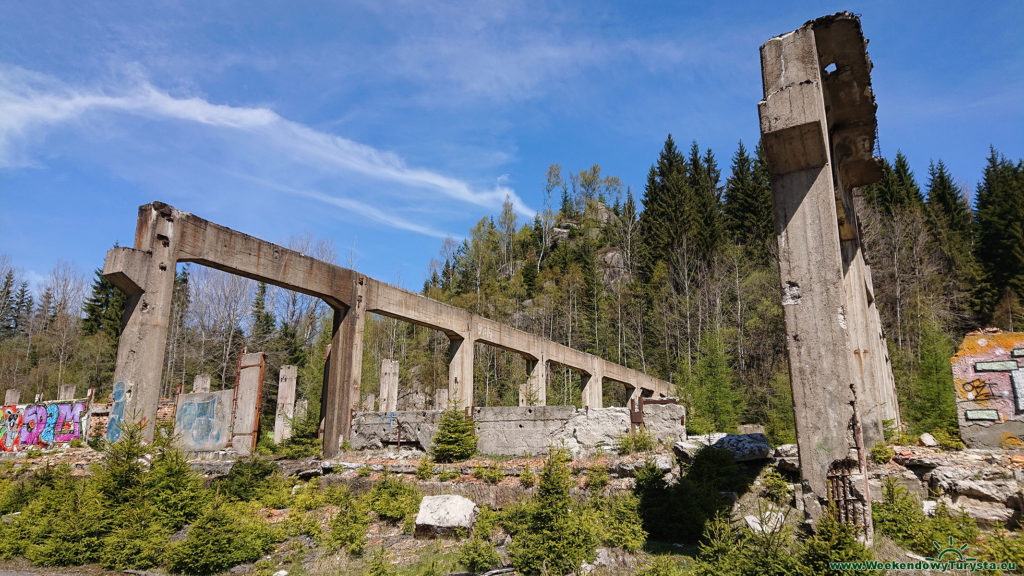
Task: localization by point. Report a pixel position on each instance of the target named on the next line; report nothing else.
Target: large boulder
(446, 515)
(746, 447)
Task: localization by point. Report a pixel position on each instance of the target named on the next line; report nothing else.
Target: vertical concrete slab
(201, 383)
(593, 396)
(301, 409)
(369, 403)
(285, 413)
(12, 396)
(441, 399)
(66, 392)
(248, 390)
(202, 420)
(534, 392)
(388, 385)
(341, 397)
(146, 274)
(460, 372)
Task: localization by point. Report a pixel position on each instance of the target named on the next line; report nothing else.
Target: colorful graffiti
(41, 425)
(119, 399)
(203, 420)
(989, 384)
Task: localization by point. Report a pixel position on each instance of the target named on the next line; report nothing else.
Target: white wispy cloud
(32, 103)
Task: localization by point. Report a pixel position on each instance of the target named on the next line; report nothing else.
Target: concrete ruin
(165, 236)
(818, 131)
(988, 377)
(285, 414)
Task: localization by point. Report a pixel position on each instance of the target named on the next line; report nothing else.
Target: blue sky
(386, 126)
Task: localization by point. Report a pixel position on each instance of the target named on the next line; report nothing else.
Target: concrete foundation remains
(818, 131)
(521, 430)
(285, 403)
(988, 376)
(165, 236)
(201, 383)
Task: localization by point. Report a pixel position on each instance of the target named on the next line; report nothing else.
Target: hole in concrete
(530, 411)
(520, 425)
(830, 68)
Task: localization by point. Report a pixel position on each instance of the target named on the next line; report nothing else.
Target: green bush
(663, 566)
(833, 541)
(527, 477)
(775, 487)
(394, 500)
(364, 471)
(447, 474)
(557, 535)
(1002, 546)
(454, 440)
(175, 490)
(639, 441)
(380, 564)
(620, 523)
(75, 536)
(348, 528)
(881, 454)
(478, 555)
(948, 441)
(226, 535)
(138, 541)
(248, 480)
(490, 473)
(900, 517)
(597, 478)
(425, 471)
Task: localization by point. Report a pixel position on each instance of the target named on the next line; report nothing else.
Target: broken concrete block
(445, 515)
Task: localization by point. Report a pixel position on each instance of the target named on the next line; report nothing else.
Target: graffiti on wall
(988, 376)
(42, 425)
(119, 398)
(203, 420)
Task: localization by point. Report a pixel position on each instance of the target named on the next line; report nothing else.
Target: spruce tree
(715, 403)
(748, 203)
(454, 440)
(1000, 236)
(103, 309)
(931, 404)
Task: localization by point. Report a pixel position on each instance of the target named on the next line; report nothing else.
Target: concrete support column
(534, 392)
(460, 372)
(593, 396)
(388, 385)
(201, 383)
(346, 367)
(248, 392)
(12, 396)
(146, 274)
(440, 399)
(285, 403)
(883, 365)
(864, 358)
(66, 392)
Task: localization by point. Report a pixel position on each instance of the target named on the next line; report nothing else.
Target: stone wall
(989, 383)
(521, 430)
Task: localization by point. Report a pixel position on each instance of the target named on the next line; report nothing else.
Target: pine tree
(669, 215)
(715, 403)
(1000, 237)
(8, 305)
(931, 404)
(263, 321)
(748, 202)
(704, 176)
(950, 222)
(104, 308)
(454, 440)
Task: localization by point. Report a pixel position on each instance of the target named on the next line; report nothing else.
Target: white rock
(927, 439)
(771, 522)
(445, 515)
(929, 507)
(281, 573)
(745, 447)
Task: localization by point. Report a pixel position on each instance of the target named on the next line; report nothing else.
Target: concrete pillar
(285, 403)
(201, 383)
(369, 403)
(146, 274)
(341, 396)
(593, 396)
(534, 392)
(301, 408)
(460, 372)
(388, 385)
(66, 392)
(441, 399)
(12, 396)
(880, 351)
(248, 391)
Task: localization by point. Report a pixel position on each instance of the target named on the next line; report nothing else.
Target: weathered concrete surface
(165, 236)
(202, 420)
(388, 385)
(248, 390)
(66, 392)
(12, 396)
(285, 414)
(445, 515)
(521, 430)
(988, 377)
(818, 125)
